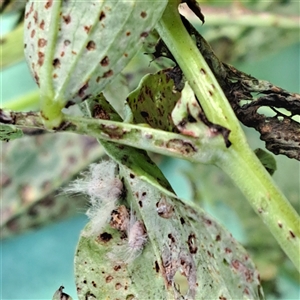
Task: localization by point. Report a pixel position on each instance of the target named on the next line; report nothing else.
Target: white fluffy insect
(104, 189)
(136, 239)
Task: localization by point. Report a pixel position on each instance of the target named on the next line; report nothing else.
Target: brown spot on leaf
(67, 42)
(171, 237)
(144, 114)
(41, 56)
(118, 286)
(156, 266)
(280, 224)
(192, 243)
(144, 34)
(91, 45)
(42, 24)
(117, 268)
(108, 74)
(35, 17)
(69, 103)
(29, 12)
(98, 79)
(104, 62)
(87, 28)
(32, 33)
(207, 221)
(48, 4)
(143, 14)
(29, 25)
(292, 234)
(102, 16)
(128, 33)
(82, 89)
(227, 250)
(202, 72)
(184, 147)
(37, 78)
(105, 237)
(56, 63)
(67, 19)
(109, 278)
(42, 42)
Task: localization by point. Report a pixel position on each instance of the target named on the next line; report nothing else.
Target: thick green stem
(238, 161)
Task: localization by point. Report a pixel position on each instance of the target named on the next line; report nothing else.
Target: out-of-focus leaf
(267, 159)
(75, 48)
(248, 30)
(32, 171)
(181, 240)
(12, 47)
(9, 132)
(8, 6)
(117, 100)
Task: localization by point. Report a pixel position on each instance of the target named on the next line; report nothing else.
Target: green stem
(204, 149)
(238, 161)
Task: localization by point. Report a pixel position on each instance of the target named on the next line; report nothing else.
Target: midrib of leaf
(50, 106)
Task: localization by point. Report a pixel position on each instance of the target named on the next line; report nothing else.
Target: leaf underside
(181, 240)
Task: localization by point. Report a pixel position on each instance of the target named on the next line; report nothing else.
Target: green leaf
(74, 49)
(186, 114)
(12, 6)
(267, 159)
(9, 132)
(154, 99)
(181, 240)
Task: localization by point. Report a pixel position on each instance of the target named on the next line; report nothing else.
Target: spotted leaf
(9, 132)
(187, 255)
(75, 48)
